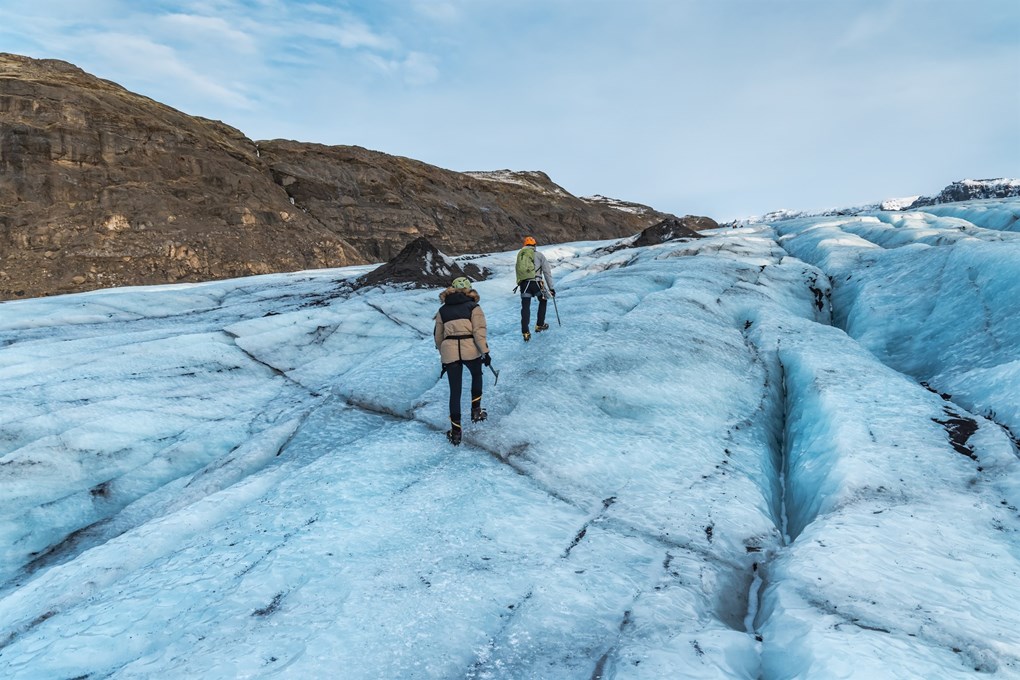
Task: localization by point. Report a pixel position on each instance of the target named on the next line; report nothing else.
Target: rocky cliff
(381, 202)
(103, 187)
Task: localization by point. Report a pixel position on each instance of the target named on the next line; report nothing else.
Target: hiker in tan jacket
(460, 339)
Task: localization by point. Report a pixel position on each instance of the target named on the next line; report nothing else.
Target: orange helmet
(529, 241)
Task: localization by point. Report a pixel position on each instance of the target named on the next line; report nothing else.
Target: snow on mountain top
(963, 191)
(625, 206)
(533, 180)
(898, 203)
(992, 183)
(777, 451)
(968, 189)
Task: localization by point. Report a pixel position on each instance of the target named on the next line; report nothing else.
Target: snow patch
(537, 181)
(616, 204)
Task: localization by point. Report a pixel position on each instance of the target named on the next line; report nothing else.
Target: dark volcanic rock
(102, 187)
(669, 229)
(379, 202)
(421, 265)
(969, 190)
(672, 228)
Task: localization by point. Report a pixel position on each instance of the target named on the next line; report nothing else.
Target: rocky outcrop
(380, 202)
(421, 265)
(672, 229)
(102, 187)
(970, 190)
(669, 229)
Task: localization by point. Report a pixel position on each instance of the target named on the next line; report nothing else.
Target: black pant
(455, 373)
(530, 289)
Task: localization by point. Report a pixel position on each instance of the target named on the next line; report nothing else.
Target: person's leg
(542, 302)
(475, 366)
(525, 311)
(455, 374)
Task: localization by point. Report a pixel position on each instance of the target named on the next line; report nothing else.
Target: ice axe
(495, 373)
(541, 285)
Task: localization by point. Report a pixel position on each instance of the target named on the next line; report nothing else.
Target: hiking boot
(454, 433)
(477, 412)
(541, 327)
(527, 336)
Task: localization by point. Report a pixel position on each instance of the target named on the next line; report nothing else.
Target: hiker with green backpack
(532, 267)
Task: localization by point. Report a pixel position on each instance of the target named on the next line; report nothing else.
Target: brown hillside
(381, 202)
(102, 187)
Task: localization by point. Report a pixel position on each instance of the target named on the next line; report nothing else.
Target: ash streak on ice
(192, 487)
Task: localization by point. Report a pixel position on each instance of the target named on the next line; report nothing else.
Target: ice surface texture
(724, 464)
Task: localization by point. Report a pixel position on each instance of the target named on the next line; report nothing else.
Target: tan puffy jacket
(460, 326)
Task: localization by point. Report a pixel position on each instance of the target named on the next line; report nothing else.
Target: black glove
(552, 292)
(486, 359)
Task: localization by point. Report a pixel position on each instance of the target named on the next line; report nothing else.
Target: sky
(724, 108)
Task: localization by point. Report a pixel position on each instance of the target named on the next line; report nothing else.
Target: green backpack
(525, 264)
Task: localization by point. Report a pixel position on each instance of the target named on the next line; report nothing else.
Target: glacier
(786, 450)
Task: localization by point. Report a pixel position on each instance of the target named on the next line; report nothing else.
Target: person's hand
(486, 359)
(552, 292)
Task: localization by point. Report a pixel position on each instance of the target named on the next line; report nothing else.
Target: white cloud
(141, 59)
(327, 24)
(438, 10)
(349, 33)
(420, 69)
(414, 69)
(209, 30)
(869, 26)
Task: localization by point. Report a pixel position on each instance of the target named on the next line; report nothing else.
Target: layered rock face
(381, 202)
(102, 187)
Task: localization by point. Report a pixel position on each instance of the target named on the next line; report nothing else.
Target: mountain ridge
(956, 192)
(103, 187)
